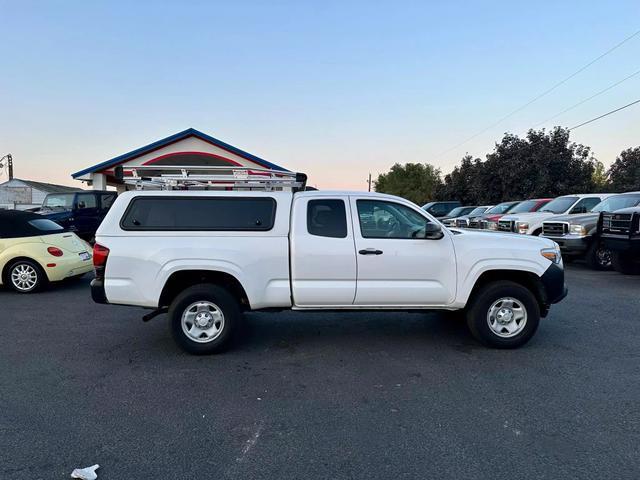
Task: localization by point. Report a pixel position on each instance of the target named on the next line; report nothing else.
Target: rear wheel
(503, 314)
(25, 276)
(599, 257)
(625, 263)
(204, 318)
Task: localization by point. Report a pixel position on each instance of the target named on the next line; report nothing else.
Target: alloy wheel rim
(603, 255)
(24, 277)
(202, 321)
(507, 317)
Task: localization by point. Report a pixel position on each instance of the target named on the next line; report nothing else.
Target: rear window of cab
(22, 228)
(199, 214)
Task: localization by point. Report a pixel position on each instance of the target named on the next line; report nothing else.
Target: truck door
(397, 266)
(86, 214)
(323, 259)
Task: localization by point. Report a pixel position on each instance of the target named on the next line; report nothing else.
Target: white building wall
(15, 194)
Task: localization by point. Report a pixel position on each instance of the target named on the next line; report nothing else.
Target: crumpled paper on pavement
(88, 473)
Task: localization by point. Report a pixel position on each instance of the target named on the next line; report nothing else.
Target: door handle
(370, 251)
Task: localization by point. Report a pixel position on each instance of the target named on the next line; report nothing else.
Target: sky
(335, 89)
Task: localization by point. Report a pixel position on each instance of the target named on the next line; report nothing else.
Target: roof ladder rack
(171, 177)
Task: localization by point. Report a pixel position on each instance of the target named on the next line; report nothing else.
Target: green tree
(460, 183)
(543, 164)
(600, 177)
(417, 182)
(624, 173)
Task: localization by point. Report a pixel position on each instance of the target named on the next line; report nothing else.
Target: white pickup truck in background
(207, 256)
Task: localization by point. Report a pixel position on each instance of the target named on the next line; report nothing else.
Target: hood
(481, 235)
(629, 210)
(529, 216)
(54, 215)
(494, 217)
(579, 218)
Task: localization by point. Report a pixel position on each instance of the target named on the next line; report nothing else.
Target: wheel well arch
(5, 269)
(528, 280)
(182, 279)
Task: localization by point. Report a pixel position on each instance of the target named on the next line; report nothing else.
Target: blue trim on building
(174, 138)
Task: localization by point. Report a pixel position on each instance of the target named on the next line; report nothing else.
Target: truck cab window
(585, 205)
(106, 201)
(86, 200)
(327, 218)
(379, 219)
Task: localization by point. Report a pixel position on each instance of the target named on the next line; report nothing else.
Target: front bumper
(554, 285)
(572, 245)
(622, 244)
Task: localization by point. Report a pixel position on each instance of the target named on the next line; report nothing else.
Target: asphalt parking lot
(321, 395)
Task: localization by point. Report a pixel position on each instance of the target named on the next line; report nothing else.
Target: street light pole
(9, 164)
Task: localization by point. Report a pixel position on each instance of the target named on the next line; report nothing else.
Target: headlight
(522, 227)
(492, 225)
(578, 230)
(552, 253)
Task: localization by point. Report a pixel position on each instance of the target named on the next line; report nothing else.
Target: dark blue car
(80, 212)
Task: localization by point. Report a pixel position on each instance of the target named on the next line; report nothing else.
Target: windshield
(559, 205)
(477, 211)
(617, 202)
(61, 200)
(46, 225)
(456, 212)
(524, 207)
(501, 208)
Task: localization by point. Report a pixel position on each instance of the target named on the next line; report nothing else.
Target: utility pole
(9, 164)
(369, 181)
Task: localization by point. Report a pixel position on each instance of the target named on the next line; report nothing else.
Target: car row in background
(49, 244)
(35, 251)
(601, 228)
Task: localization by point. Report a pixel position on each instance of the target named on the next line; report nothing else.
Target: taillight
(100, 255)
(55, 251)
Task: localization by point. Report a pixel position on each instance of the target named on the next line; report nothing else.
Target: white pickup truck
(530, 223)
(206, 256)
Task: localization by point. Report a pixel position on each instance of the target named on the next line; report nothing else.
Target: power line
(539, 96)
(605, 114)
(588, 98)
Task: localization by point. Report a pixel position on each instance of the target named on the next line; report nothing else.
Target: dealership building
(189, 148)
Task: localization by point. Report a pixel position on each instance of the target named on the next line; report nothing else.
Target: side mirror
(579, 210)
(433, 231)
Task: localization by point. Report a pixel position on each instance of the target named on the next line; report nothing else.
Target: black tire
(598, 257)
(224, 303)
(31, 266)
(481, 303)
(625, 263)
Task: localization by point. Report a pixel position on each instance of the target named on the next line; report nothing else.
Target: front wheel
(599, 257)
(503, 314)
(203, 319)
